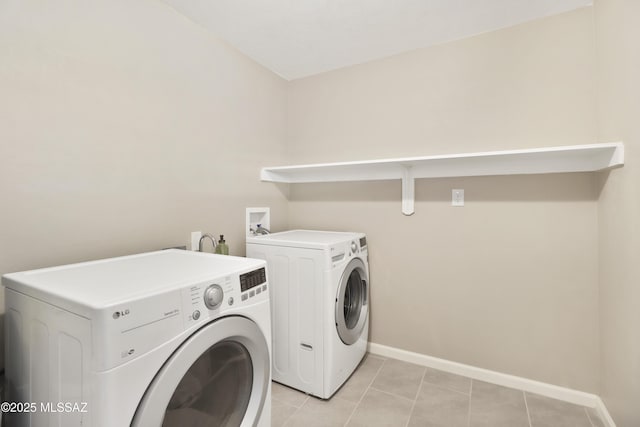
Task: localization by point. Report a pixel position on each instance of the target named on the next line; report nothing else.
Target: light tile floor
(389, 393)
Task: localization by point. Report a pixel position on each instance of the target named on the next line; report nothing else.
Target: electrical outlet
(457, 197)
(195, 240)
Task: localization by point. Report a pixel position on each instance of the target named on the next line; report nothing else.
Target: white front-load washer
(168, 338)
(320, 306)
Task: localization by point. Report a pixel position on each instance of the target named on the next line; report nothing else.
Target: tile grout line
(469, 409)
(365, 392)
(526, 405)
(392, 394)
(589, 417)
(413, 406)
(290, 404)
(284, 424)
(420, 386)
(441, 387)
(291, 389)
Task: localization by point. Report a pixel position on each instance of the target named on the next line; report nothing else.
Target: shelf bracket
(408, 191)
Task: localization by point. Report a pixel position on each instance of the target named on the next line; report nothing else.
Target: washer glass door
(352, 302)
(217, 377)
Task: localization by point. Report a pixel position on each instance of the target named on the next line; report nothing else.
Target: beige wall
(617, 36)
(124, 127)
(508, 282)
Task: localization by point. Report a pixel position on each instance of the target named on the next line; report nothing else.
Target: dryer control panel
(253, 283)
(207, 299)
(212, 298)
(139, 326)
(252, 279)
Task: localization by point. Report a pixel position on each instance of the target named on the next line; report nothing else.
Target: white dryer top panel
(109, 281)
(305, 238)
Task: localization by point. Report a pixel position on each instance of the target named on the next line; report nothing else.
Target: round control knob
(213, 297)
(354, 247)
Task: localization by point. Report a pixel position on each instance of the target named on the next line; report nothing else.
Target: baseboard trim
(506, 380)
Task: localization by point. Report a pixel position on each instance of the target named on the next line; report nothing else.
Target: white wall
(510, 281)
(124, 127)
(618, 33)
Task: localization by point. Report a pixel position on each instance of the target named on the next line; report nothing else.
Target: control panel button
(252, 294)
(230, 301)
(244, 297)
(264, 287)
(354, 247)
(196, 315)
(258, 290)
(213, 296)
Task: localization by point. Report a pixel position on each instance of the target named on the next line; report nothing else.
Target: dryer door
(352, 302)
(217, 377)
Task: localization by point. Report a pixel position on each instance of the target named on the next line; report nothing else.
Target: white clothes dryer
(168, 338)
(320, 306)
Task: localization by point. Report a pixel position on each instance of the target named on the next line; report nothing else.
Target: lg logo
(118, 314)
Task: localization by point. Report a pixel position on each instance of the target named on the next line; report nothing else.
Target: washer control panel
(363, 242)
(343, 252)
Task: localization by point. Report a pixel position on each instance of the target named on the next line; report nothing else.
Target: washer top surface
(305, 238)
(109, 281)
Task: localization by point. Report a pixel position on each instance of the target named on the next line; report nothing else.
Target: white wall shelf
(573, 158)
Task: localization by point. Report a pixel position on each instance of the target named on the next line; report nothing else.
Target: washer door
(217, 377)
(352, 302)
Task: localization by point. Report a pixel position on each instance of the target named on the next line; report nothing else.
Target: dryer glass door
(221, 375)
(352, 302)
(218, 377)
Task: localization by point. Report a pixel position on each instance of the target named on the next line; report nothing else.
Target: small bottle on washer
(222, 248)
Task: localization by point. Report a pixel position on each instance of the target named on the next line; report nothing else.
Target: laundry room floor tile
(387, 392)
(594, 417)
(399, 378)
(447, 380)
(280, 412)
(322, 413)
(440, 407)
(496, 406)
(546, 412)
(361, 379)
(378, 408)
(287, 395)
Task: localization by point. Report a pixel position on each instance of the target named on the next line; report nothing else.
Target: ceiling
(298, 38)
